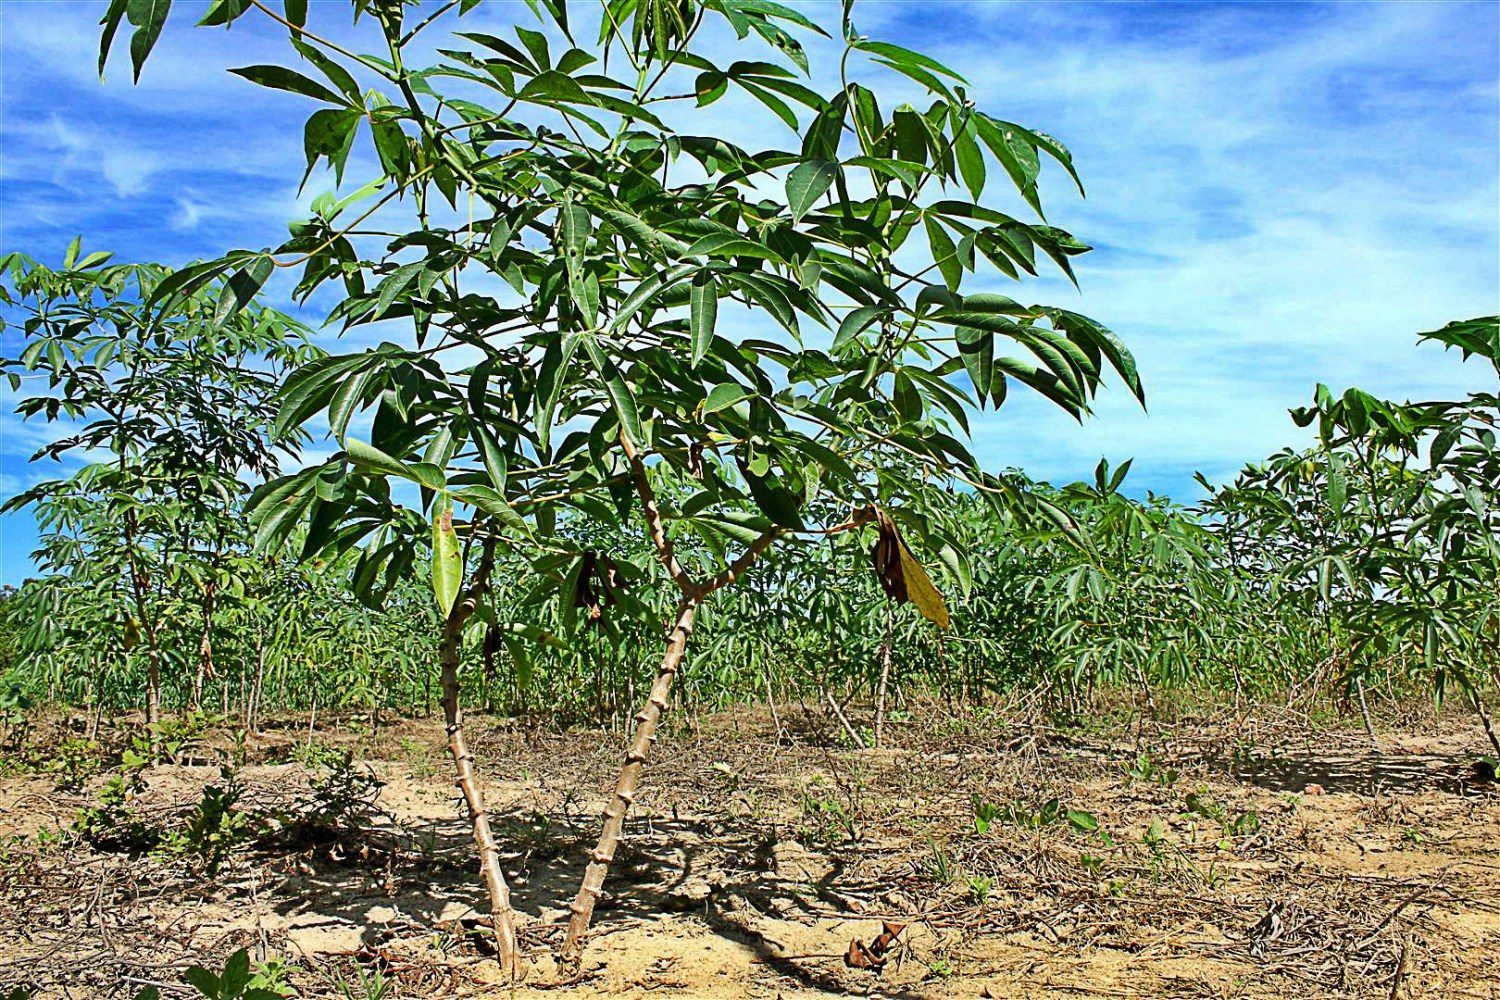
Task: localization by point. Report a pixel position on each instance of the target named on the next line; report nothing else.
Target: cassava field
(619, 609)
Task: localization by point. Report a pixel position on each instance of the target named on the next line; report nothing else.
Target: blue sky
(1280, 193)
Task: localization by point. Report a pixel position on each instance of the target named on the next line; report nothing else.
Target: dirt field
(1217, 858)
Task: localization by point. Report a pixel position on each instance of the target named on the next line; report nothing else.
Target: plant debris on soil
(973, 856)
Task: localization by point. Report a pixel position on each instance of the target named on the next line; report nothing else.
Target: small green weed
(1145, 771)
(418, 758)
(215, 827)
(73, 762)
(985, 813)
(236, 982)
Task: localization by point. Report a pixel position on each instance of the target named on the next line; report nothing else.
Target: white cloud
(123, 166)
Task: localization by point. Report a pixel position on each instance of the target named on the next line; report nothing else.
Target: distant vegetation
(1365, 566)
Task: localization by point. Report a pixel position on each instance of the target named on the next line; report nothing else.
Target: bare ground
(1250, 857)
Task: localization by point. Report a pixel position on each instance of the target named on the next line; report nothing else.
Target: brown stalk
(502, 916)
(627, 786)
(649, 717)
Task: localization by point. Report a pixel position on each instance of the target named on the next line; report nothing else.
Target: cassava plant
(169, 407)
(599, 293)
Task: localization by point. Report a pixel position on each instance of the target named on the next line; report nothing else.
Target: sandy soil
(1237, 858)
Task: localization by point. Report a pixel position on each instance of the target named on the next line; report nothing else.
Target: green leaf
(281, 78)
(619, 393)
(223, 12)
(656, 242)
(110, 22)
(447, 560)
(723, 396)
(944, 253)
(710, 86)
(856, 323)
(393, 285)
(554, 86)
(907, 58)
(1338, 482)
(977, 349)
(329, 134)
(371, 459)
(490, 502)
(242, 286)
(731, 245)
(148, 16)
(491, 455)
(970, 160)
(807, 183)
(772, 497)
(704, 312)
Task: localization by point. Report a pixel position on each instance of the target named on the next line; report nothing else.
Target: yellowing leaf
(447, 561)
(920, 590)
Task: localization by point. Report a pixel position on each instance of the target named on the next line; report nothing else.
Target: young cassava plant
(598, 288)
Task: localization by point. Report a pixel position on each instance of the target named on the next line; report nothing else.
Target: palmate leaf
(622, 399)
(690, 269)
(1479, 336)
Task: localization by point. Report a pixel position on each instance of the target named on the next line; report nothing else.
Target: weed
(239, 754)
(112, 823)
(1200, 803)
(14, 704)
(418, 758)
(271, 975)
(73, 762)
(215, 827)
(985, 813)
(1145, 771)
(236, 982)
(341, 797)
(828, 819)
(731, 777)
(176, 741)
(314, 754)
(1246, 824)
(1155, 835)
(365, 986)
(979, 887)
(1028, 817)
(939, 864)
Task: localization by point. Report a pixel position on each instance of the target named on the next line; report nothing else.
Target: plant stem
(502, 916)
(885, 672)
(629, 782)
